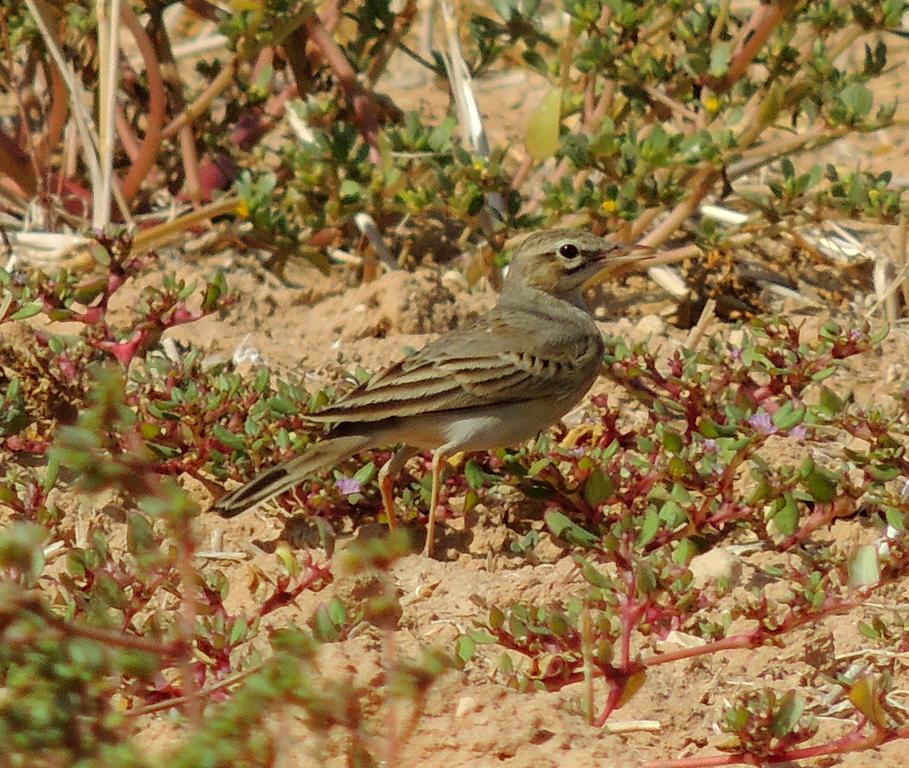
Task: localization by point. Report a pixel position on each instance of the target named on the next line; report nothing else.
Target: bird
(496, 382)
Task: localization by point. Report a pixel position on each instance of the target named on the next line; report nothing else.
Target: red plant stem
(204, 9)
(148, 152)
(186, 139)
(402, 23)
(59, 111)
(182, 531)
(364, 107)
(281, 598)
(725, 482)
(757, 636)
(275, 105)
(191, 165)
(264, 59)
(594, 110)
(177, 701)
(700, 186)
(128, 139)
(853, 742)
(15, 164)
(331, 15)
(523, 171)
(115, 639)
(197, 107)
(753, 35)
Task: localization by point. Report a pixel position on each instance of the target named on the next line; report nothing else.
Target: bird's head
(559, 261)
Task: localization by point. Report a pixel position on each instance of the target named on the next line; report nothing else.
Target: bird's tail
(275, 480)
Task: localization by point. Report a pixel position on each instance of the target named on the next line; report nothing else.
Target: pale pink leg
(438, 459)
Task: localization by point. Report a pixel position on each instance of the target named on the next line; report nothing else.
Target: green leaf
(220, 433)
(27, 311)
(786, 718)
(672, 441)
(821, 485)
(650, 527)
(440, 138)
(591, 574)
(825, 373)
(542, 137)
(350, 191)
(481, 636)
(868, 631)
(672, 513)
(599, 488)
(864, 569)
(719, 59)
(139, 534)
(786, 518)
(563, 528)
(788, 416)
(281, 404)
(858, 99)
(830, 402)
(323, 627)
(684, 551)
(895, 518)
(337, 611)
(366, 473)
(473, 472)
(880, 334)
(864, 697)
(238, 631)
(465, 648)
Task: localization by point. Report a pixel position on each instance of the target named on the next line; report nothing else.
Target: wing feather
(503, 356)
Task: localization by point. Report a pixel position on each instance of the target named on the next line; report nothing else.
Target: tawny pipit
(496, 382)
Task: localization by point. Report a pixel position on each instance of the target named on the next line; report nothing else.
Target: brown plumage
(497, 381)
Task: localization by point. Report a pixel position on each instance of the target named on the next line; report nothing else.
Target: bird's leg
(438, 460)
(390, 470)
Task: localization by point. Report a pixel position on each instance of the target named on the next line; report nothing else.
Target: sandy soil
(470, 718)
(320, 329)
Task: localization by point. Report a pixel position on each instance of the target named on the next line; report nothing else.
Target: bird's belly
(479, 429)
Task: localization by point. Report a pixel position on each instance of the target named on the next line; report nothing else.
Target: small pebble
(652, 325)
(455, 282)
(716, 565)
(466, 705)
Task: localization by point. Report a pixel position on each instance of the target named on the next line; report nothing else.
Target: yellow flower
(609, 206)
(242, 209)
(712, 103)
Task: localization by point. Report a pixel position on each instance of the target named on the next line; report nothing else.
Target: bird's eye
(568, 251)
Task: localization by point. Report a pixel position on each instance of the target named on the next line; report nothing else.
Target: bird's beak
(628, 253)
(620, 255)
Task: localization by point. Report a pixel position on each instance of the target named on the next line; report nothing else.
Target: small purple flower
(735, 353)
(349, 485)
(799, 432)
(856, 335)
(762, 422)
(710, 444)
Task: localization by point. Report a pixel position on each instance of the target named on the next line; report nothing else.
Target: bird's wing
(504, 356)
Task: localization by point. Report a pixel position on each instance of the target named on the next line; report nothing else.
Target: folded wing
(502, 357)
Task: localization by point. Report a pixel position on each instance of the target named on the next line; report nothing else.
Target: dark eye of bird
(568, 251)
